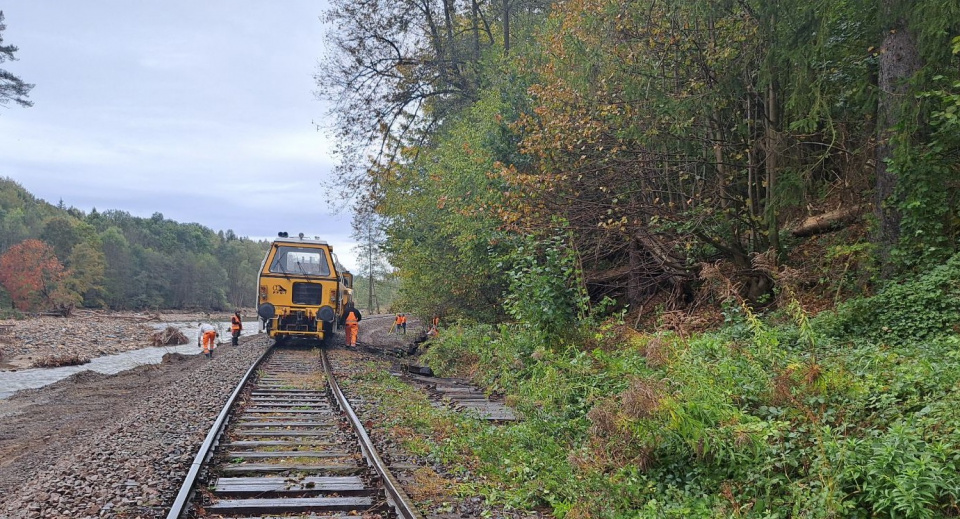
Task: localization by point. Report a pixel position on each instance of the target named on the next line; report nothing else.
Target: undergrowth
(928, 306)
(855, 413)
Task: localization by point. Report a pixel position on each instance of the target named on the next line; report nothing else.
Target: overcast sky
(201, 111)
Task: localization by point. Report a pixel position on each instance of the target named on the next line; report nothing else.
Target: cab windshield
(298, 261)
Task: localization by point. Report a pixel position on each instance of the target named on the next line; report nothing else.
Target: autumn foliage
(33, 276)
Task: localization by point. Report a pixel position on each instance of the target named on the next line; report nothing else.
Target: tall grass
(753, 420)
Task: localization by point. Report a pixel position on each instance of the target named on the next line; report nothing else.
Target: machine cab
(298, 292)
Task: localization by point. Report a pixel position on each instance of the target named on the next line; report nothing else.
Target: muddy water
(13, 381)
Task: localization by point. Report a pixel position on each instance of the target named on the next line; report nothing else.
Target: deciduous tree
(34, 277)
(87, 268)
(61, 233)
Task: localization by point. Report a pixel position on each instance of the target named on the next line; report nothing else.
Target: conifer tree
(12, 88)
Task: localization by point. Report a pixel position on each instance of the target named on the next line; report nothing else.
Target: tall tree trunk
(634, 291)
(506, 27)
(475, 21)
(448, 15)
(453, 60)
(899, 61)
(437, 42)
(370, 246)
(754, 185)
(772, 147)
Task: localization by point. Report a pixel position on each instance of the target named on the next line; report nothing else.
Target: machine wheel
(327, 333)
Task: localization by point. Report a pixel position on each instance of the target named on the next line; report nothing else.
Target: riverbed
(13, 380)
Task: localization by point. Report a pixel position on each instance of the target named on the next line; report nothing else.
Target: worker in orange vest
(434, 327)
(396, 324)
(403, 323)
(351, 326)
(236, 326)
(208, 337)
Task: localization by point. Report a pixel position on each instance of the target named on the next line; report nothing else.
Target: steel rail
(396, 497)
(206, 449)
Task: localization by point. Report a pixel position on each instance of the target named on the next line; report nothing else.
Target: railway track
(288, 443)
(457, 394)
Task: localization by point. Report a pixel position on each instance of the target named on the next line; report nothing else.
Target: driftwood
(56, 361)
(169, 337)
(58, 311)
(137, 317)
(829, 221)
(100, 315)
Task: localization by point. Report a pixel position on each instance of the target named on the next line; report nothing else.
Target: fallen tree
(829, 221)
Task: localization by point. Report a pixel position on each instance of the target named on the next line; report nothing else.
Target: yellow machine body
(299, 295)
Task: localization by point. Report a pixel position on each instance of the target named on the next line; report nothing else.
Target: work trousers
(209, 340)
(350, 330)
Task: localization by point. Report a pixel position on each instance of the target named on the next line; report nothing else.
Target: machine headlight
(266, 311)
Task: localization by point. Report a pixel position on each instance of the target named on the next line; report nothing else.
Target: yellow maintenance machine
(300, 294)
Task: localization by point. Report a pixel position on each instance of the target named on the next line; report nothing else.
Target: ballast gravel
(94, 445)
(119, 446)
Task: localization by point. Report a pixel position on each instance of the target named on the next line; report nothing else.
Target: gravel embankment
(130, 445)
(117, 446)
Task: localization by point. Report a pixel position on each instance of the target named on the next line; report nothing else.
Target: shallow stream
(13, 381)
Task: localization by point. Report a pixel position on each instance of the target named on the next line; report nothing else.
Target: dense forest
(630, 147)
(708, 249)
(56, 258)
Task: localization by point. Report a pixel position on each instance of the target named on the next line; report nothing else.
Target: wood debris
(170, 336)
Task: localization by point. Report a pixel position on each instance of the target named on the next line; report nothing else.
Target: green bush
(545, 292)
(909, 311)
(904, 475)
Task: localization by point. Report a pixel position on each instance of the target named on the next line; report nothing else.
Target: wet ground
(15, 375)
(14, 378)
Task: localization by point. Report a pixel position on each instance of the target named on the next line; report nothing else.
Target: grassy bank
(853, 414)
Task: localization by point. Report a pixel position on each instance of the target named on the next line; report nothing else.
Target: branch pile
(56, 361)
(168, 337)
